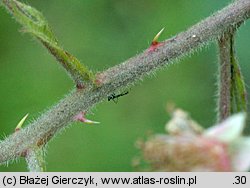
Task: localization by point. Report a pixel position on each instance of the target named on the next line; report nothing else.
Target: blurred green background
(103, 33)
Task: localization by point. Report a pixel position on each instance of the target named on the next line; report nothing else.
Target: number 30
(240, 180)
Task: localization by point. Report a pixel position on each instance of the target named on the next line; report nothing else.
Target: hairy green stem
(224, 102)
(120, 76)
(35, 159)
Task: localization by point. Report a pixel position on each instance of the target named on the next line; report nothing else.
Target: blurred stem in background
(232, 91)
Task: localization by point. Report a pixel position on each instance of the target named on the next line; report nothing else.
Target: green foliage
(34, 23)
(113, 31)
(238, 89)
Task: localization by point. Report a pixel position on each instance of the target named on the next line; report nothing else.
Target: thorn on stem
(155, 44)
(19, 125)
(81, 117)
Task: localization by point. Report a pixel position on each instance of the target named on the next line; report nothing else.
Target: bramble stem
(224, 103)
(35, 160)
(232, 91)
(120, 76)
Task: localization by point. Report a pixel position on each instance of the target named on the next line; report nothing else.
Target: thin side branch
(224, 100)
(120, 76)
(232, 90)
(35, 160)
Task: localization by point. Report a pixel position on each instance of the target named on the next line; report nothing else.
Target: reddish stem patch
(154, 46)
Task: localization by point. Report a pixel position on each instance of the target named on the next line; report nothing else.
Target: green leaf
(238, 89)
(33, 22)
